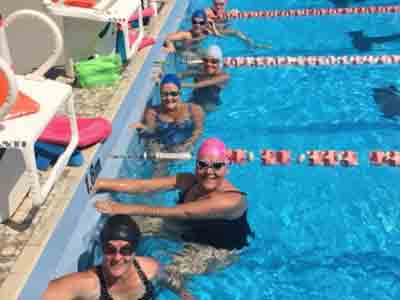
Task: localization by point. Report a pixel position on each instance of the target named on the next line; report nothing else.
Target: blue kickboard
(47, 154)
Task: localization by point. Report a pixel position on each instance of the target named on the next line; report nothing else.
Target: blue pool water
(321, 233)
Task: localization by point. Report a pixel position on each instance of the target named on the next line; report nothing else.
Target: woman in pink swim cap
(212, 210)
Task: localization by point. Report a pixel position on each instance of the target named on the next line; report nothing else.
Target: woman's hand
(169, 47)
(110, 207)
(137, 125)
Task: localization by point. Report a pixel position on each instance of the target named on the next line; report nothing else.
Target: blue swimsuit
(173, 133)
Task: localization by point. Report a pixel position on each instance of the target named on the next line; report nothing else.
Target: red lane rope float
(329, 158)
(239, 156)
(270, 157)
(379, 158)
(384, 9)
(273, 61)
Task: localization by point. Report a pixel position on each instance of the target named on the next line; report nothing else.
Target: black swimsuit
(104, 295)
(219, 233)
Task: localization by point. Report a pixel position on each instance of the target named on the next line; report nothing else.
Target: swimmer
(174, 125)
(219, 26)
(122, 274)
(211, 211)
(208, 83)
(188, 43)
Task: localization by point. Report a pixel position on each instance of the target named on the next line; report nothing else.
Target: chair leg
(62, 161)
(29, 157)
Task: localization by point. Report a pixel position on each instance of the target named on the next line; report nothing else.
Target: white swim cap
(215, 52)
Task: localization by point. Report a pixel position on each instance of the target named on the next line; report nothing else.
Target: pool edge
(18, 279)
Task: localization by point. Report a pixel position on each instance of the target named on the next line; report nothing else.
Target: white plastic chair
(116, 12)
(21, 133)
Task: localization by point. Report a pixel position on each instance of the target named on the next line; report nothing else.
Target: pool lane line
(364, 10)
(270, 157)
(323, 60)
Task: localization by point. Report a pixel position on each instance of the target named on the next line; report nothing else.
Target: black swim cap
(120, 227)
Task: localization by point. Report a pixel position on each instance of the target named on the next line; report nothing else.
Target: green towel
(100, 71)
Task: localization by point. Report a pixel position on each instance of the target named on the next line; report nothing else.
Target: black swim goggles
(126, 250)
(173, 94)
(216, 165)
(202, 22)
(210, 60)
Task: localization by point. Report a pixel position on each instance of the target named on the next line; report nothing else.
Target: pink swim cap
(213, 147)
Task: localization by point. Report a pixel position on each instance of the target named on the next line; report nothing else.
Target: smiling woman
(172, 126)
(211, 211)
(122, 274)
(209, 82)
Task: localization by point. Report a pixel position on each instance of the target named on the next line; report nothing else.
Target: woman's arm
(135, 185)
(180, 181)
(218, 79)
(71, 287)
(198, 119)
(187, 74)
(173, 37)
(149, 124)
(221, 205)
(149, 119)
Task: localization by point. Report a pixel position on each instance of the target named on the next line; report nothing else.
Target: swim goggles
(202, 22)
(124, 250)
(166, 94)
(216, 165)
(211, 60)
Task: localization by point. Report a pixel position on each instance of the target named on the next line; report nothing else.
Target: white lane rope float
(155, 156)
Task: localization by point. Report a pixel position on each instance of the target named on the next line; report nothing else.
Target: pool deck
(24, 236)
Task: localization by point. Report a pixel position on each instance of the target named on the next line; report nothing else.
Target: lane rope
(382, 9)
(273, 61)
(270, 157)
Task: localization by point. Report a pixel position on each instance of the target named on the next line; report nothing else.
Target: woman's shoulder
(195, 109)
(77, 284)
(189, 107)
(229, 189)
(210, 13)
(149, 266)
(153, 110)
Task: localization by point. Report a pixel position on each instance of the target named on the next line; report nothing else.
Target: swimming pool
(321, 232)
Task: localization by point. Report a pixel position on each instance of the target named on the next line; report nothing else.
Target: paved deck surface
(24, 236)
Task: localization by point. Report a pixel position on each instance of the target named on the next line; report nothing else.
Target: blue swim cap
(199, 14)
(171, 78)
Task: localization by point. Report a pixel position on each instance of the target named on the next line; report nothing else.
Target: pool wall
(68, 240)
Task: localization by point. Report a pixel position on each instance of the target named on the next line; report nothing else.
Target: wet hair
(171, 78)
(199, 13)
(214, 147)
(120, 228)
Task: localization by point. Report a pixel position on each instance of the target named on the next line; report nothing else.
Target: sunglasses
(124, 251)
(166, 94)
(213, 61)
(198, 22)
(216, 165)
(219, 4)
